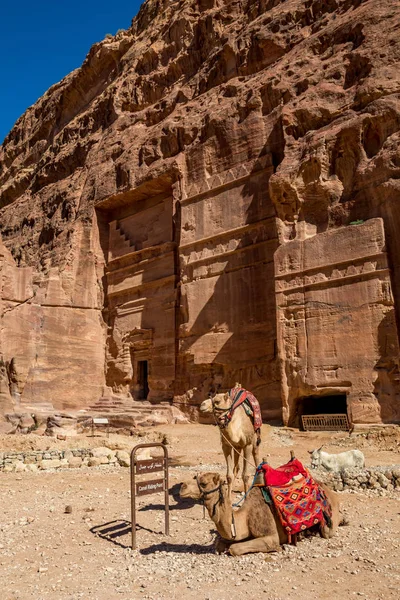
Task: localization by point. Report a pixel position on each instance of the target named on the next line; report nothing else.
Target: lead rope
(248, 492)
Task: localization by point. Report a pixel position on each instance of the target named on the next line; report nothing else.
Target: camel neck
(219, 508)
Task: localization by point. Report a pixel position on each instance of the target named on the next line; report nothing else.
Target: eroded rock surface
(150, 198)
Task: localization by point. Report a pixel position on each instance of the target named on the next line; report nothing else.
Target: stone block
(75, 462)
(50, 464)
(102, 451)
(19, 467)
(32, 468)
(382, 480)
(124, 458)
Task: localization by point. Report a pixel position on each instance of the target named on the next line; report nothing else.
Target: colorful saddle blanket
(239, 396)
(298, 499)
(283, 475)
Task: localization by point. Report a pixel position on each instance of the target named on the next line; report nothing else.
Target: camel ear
(319, 449)
(216, 478)
(310, 451)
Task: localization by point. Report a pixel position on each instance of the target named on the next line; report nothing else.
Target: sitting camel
(238, 435)
(252, 528)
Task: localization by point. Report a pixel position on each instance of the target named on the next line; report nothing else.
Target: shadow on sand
(181, 503)
(113, 530)
(179, 548)
(116, 529)
(119, 528)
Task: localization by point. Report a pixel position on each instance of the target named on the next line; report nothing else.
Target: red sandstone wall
(265, 121)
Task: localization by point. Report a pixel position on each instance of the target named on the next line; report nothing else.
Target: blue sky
(43, 40)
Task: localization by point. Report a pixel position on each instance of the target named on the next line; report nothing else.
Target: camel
(237, 437)
(252, 528)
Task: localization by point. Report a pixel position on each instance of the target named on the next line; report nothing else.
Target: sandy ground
(46, 553)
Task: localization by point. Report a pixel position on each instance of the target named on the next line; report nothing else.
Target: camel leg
(247, 460)
(256, 453)
(227, 450)
(236, 465)
(328, 532)
(268, 543)
(236, 458)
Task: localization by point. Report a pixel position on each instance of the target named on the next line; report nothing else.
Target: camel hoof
(232, 551)
(221, 546)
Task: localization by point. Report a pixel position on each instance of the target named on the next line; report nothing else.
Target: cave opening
(333, 404)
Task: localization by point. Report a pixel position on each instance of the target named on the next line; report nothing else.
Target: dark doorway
(142, 379)
(334, 404)
(330, 405)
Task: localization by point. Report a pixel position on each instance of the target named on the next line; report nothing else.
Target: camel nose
(206, 405)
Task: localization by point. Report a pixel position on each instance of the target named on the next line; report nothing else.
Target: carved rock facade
(177, 215)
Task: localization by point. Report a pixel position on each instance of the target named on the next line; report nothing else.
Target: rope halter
(221, 415)
(205, 493)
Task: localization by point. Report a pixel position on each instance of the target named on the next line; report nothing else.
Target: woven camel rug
(300, 504)
(241, 396)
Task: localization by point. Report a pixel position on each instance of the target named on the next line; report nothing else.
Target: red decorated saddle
(239, 396)
(298, 499)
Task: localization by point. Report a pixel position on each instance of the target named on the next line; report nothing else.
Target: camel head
(200, 484)
(206, 406)
(219, 402)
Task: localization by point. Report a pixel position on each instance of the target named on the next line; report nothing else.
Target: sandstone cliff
(159, 204)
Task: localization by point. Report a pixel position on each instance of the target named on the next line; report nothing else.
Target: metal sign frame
(99, 422)
(142, 467)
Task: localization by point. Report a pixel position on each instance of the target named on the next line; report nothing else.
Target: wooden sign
(149, 466)
(153, 486)
(144, 488)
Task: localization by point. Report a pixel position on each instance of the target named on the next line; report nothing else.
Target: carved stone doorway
(314, 405)
(142, 379)
(138, 346)
(141, 371)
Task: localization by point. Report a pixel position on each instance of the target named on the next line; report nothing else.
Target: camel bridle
(205, 493)
(221, 414)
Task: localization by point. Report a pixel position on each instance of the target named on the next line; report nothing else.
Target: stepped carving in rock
(211, 198)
